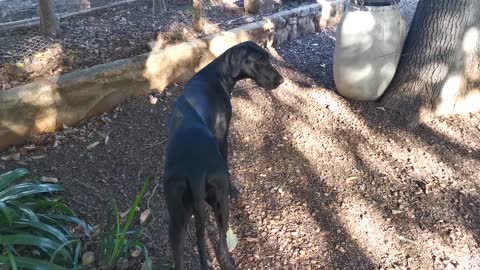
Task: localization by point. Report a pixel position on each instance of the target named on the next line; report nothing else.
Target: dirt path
(327, 183)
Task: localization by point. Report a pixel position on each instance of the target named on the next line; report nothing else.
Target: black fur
(196, 167)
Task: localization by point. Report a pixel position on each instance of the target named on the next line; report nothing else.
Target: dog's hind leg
(200, 223)
(233, 189)
(221, 211)
(180, 215)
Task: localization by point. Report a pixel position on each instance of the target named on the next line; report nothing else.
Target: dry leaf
(15, 156)
(351, 179)
(145, 216)
(135, 253)
(107, 138)
(153, 100)
(396, 212)
(30, 147)
(251, 240)
(88, 258)
(91, 146)
(39, 157)
(46, 179)
(232, 240)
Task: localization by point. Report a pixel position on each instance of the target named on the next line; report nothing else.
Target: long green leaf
(87, 229)
(6, 213)
(51, 230)
(77, 254)
(130, 215)
(13, 262)
(144, 250)
(42, 243)
(47, 204)
(9, 177)
(60, 248)
(28, 189)
(30, 263)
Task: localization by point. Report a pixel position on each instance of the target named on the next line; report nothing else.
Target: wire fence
(19, 10)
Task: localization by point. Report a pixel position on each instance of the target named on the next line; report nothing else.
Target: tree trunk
(48, 18)
(159, 6)
(197, 15)
(439, 70)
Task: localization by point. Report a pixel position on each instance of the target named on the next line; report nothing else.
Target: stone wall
(44, 106)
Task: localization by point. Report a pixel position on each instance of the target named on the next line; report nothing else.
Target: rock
(292, 32)
(306, 26)
(280, 37)
(258, 6)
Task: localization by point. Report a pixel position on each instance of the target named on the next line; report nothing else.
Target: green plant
(35, 226)
(119, 236)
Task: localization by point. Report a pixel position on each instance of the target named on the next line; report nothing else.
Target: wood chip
(46, 179)
(91, 146)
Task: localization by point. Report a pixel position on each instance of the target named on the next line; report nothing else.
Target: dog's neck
(223, 75)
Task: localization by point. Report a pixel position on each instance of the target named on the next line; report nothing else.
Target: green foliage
(35, 226)
(119, 237)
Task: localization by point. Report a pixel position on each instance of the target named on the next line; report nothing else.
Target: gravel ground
(326, 183)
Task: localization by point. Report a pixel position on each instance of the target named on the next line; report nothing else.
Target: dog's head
(248, 60)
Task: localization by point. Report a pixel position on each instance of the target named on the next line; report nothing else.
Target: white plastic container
(369, 41)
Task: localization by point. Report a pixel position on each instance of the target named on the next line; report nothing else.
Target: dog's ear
(236, 61)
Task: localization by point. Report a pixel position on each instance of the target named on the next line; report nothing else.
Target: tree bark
(438, 71)
(48, 17)
(197, 15)
(159, 6)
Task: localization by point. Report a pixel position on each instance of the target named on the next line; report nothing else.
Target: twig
(124, 124)
(153, 145)
(151, 196)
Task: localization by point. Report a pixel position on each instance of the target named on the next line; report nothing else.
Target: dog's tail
(197, 187)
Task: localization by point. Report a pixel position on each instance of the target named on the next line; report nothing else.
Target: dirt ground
(326, 183)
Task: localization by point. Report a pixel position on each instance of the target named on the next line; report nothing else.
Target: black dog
(196, 167)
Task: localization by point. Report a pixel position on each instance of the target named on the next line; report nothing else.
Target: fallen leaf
(401, 238)
(14, 156)
(153, 100)
(135, 253)
(251, 240)
(46, 179)
(88, 258)
(351, 179)
(38, 157)
(145, 215)
(106, 139)
(30, 147)
(91, 146)
(396, 212)
(232, 240)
